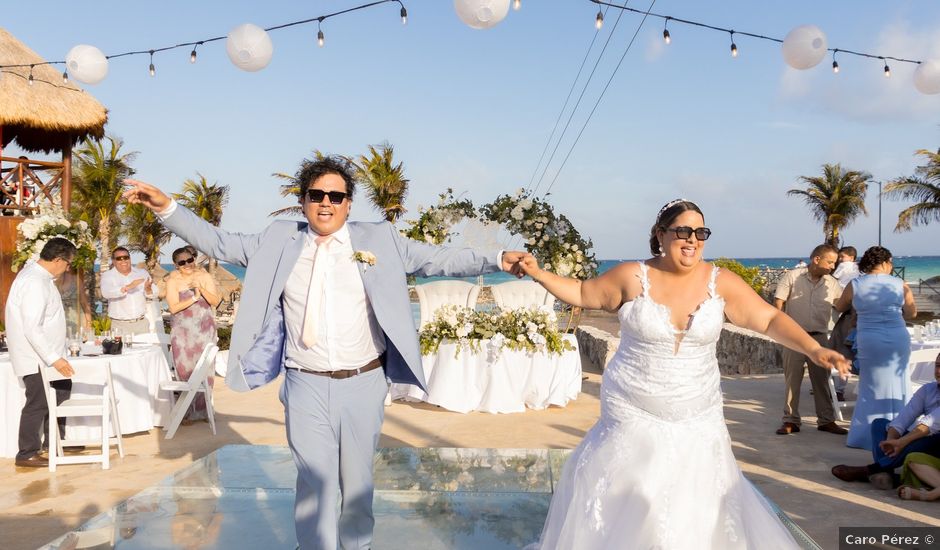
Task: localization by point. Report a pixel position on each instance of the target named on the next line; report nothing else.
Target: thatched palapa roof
(48, 114)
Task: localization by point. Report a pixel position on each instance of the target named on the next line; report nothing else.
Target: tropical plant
(751, 275)
(206, 200)
(291, 189)
(98, 177)
(384, 181)
(836, 198)
(145, 233)
(923, 188)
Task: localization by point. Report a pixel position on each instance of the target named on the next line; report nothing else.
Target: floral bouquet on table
(33, 234)
(527, 329)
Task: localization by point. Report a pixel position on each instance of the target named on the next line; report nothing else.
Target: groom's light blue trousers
(333, 428)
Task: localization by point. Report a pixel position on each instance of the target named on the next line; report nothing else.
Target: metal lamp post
(879, 212)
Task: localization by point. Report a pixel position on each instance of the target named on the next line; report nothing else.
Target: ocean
(915, 268)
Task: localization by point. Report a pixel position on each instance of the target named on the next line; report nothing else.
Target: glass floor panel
(242, 496)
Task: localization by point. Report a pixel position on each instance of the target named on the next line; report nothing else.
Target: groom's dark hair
(312, 170)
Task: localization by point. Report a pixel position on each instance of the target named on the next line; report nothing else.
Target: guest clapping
(192, 296)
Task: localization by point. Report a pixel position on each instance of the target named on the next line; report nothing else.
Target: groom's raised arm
(234, 248)
(427, 260)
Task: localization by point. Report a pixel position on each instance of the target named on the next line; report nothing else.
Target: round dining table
(137, 374)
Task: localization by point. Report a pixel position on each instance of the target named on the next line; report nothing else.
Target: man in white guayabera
(126, 288)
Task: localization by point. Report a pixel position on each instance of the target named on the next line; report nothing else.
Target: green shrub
(751, 275)
(225, 337)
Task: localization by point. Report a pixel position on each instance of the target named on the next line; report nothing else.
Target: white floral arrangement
(533, 329)
(434, 223)
(33, 234)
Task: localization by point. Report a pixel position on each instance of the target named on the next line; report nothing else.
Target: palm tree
(836, 198)
(924, 188)
(384, 181)
(292, 189)
(99, 173)
(206, 200)
(145, 233)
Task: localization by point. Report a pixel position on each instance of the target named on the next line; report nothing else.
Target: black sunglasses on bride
(316, 196)
(684, 232)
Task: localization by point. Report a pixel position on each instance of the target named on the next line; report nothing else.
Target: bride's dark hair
(667, 215)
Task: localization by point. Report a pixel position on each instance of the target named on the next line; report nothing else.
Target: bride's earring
(662, 251)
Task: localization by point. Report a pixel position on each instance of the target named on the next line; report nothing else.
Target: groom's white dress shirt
(35, 321)
(348, 335)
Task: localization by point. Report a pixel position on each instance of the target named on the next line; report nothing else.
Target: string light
(516, 5)
(599, 20)
(320, 38)
(666, 37)
(887, 68)
(193, 54)
(734, 47)
(30, 79)
(835, 64)
(65, 77)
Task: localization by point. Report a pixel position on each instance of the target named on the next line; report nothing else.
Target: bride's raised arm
(607, 291)
(746, 309)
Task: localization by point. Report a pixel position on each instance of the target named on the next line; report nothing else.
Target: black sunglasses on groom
(316, 196)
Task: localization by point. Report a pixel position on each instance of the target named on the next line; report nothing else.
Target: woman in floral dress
(192, 296)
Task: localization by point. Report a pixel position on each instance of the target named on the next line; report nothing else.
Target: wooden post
(66, 195)
(7, 250)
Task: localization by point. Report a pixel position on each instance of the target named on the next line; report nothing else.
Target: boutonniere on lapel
(364, 257)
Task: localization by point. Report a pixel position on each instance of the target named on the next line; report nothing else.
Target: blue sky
(472, 110)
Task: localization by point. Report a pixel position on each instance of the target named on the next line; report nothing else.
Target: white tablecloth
(923, 371)
(514, 380)
(137, 374)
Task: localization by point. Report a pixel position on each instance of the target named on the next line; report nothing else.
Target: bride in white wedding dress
(657, 471)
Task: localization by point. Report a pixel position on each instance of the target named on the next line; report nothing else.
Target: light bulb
(835, 67)
(30, 79)
(320, 38)
(666, 36)
(153, 70)
(192, 56)
(65, 77)
(517, 5)
(599, 20)
(404, 16)
(887, 71)
(734, 50)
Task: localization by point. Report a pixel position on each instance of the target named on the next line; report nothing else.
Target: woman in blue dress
(882, 302)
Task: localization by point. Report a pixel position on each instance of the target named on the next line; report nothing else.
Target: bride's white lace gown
(656, 471)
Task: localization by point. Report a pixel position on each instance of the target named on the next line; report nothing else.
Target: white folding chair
(432, 296)
(198, 383)
(837, 405)
(164, 340)
(922, 376)
(104, 406)
(521, 294)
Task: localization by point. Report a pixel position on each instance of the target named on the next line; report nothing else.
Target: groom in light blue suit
(326, 303)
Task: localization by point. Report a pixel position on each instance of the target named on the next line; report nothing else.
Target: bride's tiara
(669, 205)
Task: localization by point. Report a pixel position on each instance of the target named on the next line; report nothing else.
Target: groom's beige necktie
(315, 291)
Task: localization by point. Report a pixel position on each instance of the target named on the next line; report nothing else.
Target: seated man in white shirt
(35, 325)
(126, 288)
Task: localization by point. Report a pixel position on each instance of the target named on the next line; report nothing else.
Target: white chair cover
(521, 294)
(432, 296)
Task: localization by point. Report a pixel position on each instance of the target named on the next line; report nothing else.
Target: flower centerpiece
(33, 234)
(532, 330)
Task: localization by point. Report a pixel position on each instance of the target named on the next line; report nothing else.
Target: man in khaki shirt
(807, 295)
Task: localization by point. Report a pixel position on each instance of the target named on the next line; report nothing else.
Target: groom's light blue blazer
(256, 354)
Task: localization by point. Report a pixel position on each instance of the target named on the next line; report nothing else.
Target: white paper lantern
(481, 14)
(804, 47)
(86, 64)
(249, 47)
(927, 77)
